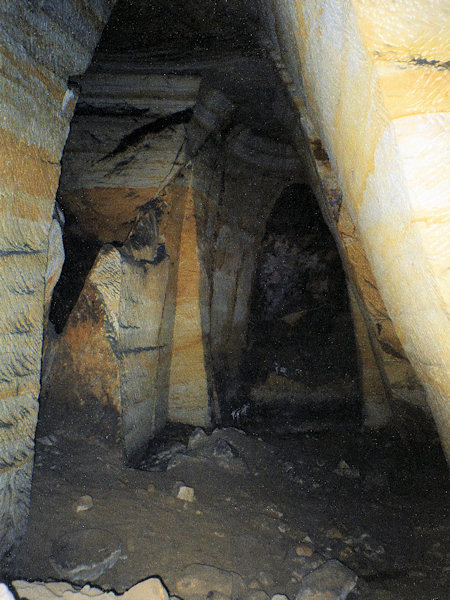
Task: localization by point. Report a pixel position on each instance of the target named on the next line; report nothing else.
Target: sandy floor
(269, 510)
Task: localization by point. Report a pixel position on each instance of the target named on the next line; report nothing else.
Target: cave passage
(201, 410)
(301, 364)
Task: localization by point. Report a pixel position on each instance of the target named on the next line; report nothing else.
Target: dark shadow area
(181, 27)
(295, 482)
(80, 255)
(301, 365)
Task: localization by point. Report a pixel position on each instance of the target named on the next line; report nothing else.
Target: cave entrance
(215, 514)
(301, 366)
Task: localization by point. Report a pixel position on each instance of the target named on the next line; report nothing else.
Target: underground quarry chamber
(226, 358)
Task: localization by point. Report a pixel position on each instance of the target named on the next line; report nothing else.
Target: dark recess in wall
(180, 27)
(80, 255)
(300, 328)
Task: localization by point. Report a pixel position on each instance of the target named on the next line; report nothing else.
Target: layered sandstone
(36, 107)
(369, 79)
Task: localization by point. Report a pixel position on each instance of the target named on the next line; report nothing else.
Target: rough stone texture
(188, 400)
(198, 581)
(331, 581)
(104, 364)
(126, 144)
(36, 106)
(77, 366)
(253, 169)
(386, 145)
(199, 298)
(132, 353)
(150, 589)
(377, 411)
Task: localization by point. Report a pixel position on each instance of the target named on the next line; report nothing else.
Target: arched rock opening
(168, 282)
(301, 362)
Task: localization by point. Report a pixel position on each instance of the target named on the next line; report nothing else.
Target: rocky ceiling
(187, 27)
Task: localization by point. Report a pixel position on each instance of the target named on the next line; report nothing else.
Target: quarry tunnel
(225, 262)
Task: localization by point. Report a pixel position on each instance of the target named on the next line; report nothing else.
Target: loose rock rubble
(151, 589)
(228, 516)
(201, 448)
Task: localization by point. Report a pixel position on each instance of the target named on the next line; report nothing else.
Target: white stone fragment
(184, 492)
(84, 503)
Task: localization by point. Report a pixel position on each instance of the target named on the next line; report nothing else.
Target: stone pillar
(374, 390)
(370, 86)
(188, 400)
(36, 109)
(237, 179)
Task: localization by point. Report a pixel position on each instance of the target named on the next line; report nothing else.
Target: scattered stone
(288, 467)
(5, 594)
(161, 460)
(345, 554)
(203, 581)
(84, 503)
(334, 534)
(222, 449)
(283, 528)
(304, 550)
(197, 438)
(48, 440)
(345, 470)
(254, 584)
(150, 589)
(179, 459)
(221, 453)
(271, 509)
(265, 579)
(306, 564)
(255, 594)
(184, 492)
(279, 597)
(331, 581)
(83, 555)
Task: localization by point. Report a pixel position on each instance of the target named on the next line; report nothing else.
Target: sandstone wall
(36, 106)
(194, 299)
(370, 81)
(108, 372)
(236, 181)
(123, 182)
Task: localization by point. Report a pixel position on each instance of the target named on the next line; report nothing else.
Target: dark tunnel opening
(301, 363)
(289, 492)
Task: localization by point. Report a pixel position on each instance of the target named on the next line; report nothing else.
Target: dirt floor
(269, 508)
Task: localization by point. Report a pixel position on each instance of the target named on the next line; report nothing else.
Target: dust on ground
(266, 507)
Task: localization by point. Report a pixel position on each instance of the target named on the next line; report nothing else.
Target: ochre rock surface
(36, 108)
(370, 81)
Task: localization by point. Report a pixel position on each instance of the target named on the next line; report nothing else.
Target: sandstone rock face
(149, 589)
(387, 146)
(177, 321)
(105, 362)
(389, 165)
(33, 91)
(252, 169)
(189, 392)
(127, 142)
